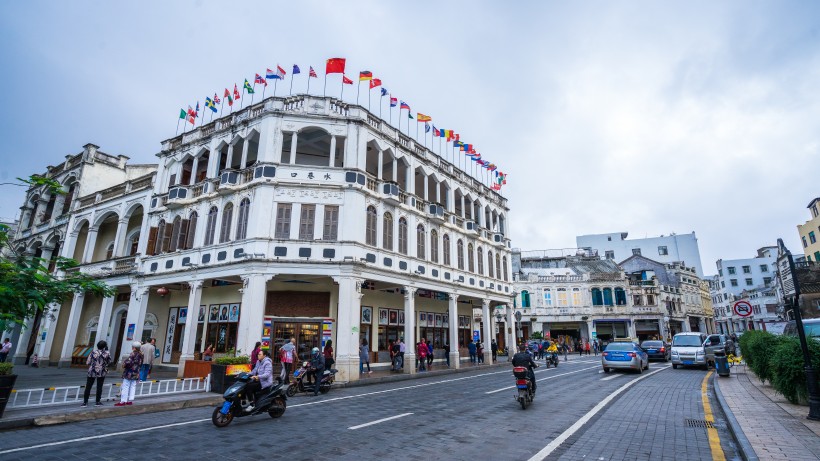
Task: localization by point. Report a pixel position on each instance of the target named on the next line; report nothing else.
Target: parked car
(624, 354)
(718, 342)
(810, 326)
(657, 350)
(687, 350)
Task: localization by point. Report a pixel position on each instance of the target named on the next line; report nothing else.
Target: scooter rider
(524, 359)
(553, 351)
(317, 367)
(261, 375)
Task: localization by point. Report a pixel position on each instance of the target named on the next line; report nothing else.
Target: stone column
(137, 307)
(119, 238)
(410, 330)
(252, 311)
(487, 333)
(243, 161)
(18, 355)
(332, 161)
(426, 188)
(142, 244)
(347, 327)
(293, 148)
(455, 361)
(229, 158)
(512, 335)
(396, 170)
(189, 332)
(47, 325)
(194, 166)
(590, 328)
(379, 170)
(90, 243)
(71, 330)
(104, 324)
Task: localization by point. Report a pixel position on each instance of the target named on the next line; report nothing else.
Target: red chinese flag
(374, 83)
(335, 66)
(346, 80)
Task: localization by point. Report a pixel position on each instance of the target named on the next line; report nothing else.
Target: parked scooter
(525, 394)
(299, 384)
(238, 403)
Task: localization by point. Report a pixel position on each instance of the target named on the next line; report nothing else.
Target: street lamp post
(791, 290)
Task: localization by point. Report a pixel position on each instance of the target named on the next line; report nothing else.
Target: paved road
(470, 416)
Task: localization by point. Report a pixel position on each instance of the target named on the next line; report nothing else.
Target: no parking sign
(742, 308)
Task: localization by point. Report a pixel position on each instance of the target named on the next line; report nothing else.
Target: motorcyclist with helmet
(552, 350)
(317, 368)
(524, 359)
(261, 375)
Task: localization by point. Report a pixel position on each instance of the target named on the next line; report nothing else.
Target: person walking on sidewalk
(472, 348)
(130, 374)
(421, 352)
(430, 355)
(364, 357)
(287, 355)
(255, 354)
(5, 350)
(595, 347)
(494, 350)
(447, 352)
(402, 350)
(147, 351)
(97, 368)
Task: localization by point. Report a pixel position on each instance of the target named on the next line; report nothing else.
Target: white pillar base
(455, 360)
(410, 363)
(348, 368)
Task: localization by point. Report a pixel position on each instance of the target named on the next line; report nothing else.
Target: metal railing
(29, 398)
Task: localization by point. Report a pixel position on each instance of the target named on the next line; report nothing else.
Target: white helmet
(136, 344)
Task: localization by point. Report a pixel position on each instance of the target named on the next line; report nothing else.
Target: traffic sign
(742, 308)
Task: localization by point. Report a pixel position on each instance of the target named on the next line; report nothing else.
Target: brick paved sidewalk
(774, 428)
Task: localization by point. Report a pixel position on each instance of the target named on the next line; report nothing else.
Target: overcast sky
(644, 117)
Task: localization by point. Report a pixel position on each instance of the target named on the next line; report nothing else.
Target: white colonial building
(736, 280)
(299, 217)
(666, 249)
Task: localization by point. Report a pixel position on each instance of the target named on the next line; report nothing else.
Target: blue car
(624, 355)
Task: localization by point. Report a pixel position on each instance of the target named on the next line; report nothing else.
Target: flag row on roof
(337, 66)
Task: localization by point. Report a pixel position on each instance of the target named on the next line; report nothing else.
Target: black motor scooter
(238, 403)
(552, 359)
(299, 384)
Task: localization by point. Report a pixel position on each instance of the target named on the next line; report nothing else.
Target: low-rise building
(666, 249)
(810, 232)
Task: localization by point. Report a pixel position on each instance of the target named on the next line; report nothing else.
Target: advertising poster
(169, 335)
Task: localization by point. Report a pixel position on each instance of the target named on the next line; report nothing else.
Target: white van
(688, 350)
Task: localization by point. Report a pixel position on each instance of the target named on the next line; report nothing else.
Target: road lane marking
(542, 379)
(379, 421)
(714, 439)
(616, 375)
(546, 451)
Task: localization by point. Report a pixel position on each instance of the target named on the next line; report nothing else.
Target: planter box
(6, 384)
(196, 368)
(222, 376)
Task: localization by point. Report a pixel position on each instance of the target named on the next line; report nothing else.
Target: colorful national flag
(279, 73)
(235, 92)
(393, 101)
(335, 66)
(374, 83)
(247, 86)
(228, 95)
(312, 73)
(409, 115)
(365, 75)
(423, 118)
(384, 91)
(191, 115)
(404, 105)
(426, 127)
(346, 80)
(182, 114)
(216, 99)
(458, 144)
(260, 80)
(197, 108)
(296, 70)
(436, 132)
(210, 104)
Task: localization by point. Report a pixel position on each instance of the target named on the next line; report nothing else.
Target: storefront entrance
(308, 334)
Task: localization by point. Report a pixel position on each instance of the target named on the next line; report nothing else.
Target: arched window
(242, 220)
(175, 234)
(504, 268)
(597, 299)
(210, 226)
(160, 237)
(607, 296)
(109, 252)
(490, 271)
(387, 231)
(525, 298)
(498, 266)
(470, 258)
(460, 254)
(480, 257)
(433, 245)
(421, 237)
(576, 297)
(445, 242)
(370, 228)
(620, 297)
(133, 244)
(548, 297)
(402, 236)
(192, 220)
(562, 297)
(227, 215)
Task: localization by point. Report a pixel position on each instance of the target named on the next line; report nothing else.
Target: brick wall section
(298, 304)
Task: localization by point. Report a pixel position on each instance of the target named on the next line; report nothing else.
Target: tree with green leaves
(27, 286)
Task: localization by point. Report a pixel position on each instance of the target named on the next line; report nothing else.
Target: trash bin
(721, 364)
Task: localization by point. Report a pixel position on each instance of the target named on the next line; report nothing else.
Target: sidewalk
(29, 378)
(764, 423)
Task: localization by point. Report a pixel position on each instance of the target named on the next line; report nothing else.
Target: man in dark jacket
(524, 359)
(317, 367)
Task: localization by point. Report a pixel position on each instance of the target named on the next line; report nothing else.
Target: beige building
(810, 232)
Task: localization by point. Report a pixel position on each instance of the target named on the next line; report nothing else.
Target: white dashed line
(379, 421)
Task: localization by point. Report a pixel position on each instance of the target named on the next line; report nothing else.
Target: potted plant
(224, 371)
(7, 380)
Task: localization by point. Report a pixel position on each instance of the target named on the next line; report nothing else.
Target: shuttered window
(225, 231)
(192, 221)
(306, 222)
(242, 220)
(387, 231)
(283, 221)
(210, 226)
(370, 226)
(331, 226)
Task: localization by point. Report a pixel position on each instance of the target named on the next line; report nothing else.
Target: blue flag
(426, 128)
(384, 91)
(296, 70)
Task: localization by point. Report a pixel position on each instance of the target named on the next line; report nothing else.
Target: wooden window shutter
(183, 233)
(152, 241)
(166, 238)
(191, 232)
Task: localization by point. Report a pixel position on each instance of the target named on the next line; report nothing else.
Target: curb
(743, 445)
(110, 412)
(408, 376)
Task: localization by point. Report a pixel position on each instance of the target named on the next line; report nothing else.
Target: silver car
(624, 355)
(687, 350)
